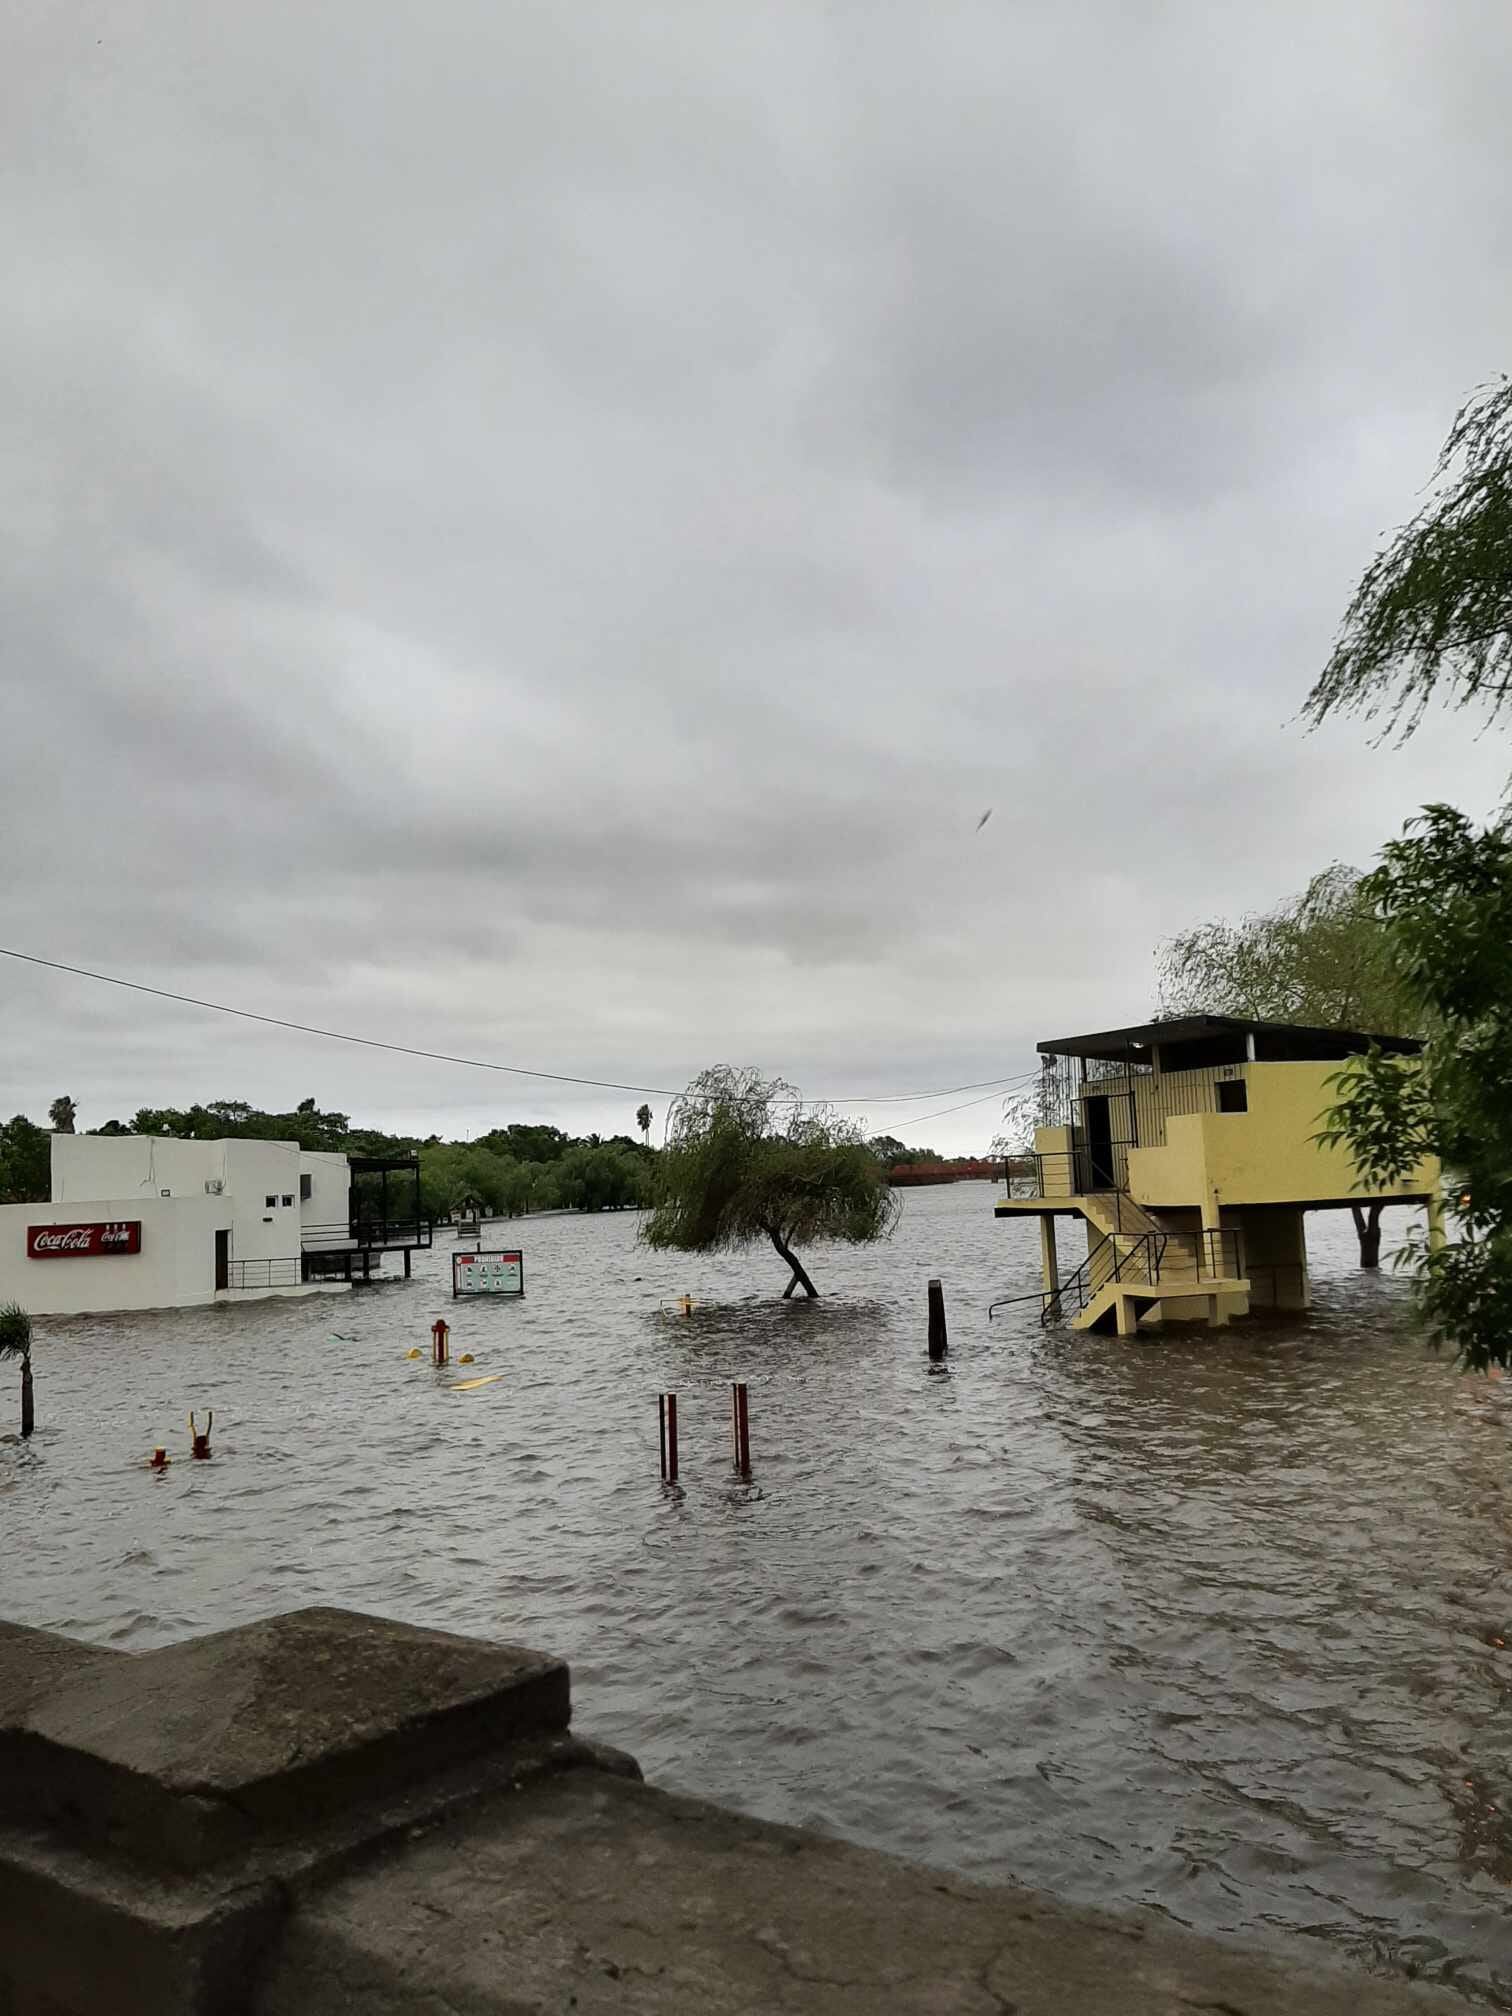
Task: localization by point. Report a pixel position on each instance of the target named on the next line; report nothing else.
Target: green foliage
(25, 1162)
(1434, 609)
(234, 1119)
(1444, 892)
(1322, 958)
(643, 1121)
(15, 1332)
(63, 1113)
(746, 1162)
(893, 1154)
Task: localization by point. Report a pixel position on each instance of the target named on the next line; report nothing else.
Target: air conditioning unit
(213, 1186)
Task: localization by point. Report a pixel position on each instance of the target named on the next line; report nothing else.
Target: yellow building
(1188, 1149)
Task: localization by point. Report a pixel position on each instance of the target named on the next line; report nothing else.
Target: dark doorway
(1100, 1175)
(223, 1259)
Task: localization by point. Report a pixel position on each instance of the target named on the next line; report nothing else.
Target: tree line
(746, 1161)
(505, 1172)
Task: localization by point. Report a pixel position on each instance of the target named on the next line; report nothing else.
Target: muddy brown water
(1209, 1624)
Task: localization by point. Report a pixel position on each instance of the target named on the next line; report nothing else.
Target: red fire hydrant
(440, 1333)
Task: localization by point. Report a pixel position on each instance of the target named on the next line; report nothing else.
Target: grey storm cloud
(538, 533)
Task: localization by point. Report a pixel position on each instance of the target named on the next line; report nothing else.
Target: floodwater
(1211, 1624)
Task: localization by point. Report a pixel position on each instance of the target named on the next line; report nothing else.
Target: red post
(440, 1332)
(740, 1428)
(666, 1409)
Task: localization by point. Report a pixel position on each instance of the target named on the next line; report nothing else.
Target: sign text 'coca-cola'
(83, 1242)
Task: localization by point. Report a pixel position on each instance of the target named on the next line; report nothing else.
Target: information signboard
(488, 1274)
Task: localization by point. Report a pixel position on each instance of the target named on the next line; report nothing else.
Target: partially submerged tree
(1446, 893)
(1433, 616)
(16, 1342)
(745, 1162)
(1322, 958)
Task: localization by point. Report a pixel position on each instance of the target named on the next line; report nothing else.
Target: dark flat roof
(1114, 1044)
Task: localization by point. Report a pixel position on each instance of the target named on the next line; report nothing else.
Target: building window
(269, 1202)
(287, 1201)
(306, 1185)
(1233, 1095)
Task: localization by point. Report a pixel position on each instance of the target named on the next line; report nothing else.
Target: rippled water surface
(1211, 1624)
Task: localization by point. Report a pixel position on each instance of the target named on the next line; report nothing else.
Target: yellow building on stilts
(1188, 1150)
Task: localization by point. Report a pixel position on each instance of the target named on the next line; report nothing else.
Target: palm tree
(643, 1121)
(15, 1342)
(63, 1114)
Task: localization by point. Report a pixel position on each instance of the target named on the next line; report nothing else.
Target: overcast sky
(538, 531)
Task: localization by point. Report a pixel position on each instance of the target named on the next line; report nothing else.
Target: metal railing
(281, 1273)
(364, 1231)
(1116, 1259)
(1153, 1259)
(1085, 1170)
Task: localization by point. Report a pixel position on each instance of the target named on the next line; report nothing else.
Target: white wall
(326, 1214)
(256, 1171)
(175, 1268)
(87, 1168)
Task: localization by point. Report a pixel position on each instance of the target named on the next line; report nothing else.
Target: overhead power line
(475, 1063)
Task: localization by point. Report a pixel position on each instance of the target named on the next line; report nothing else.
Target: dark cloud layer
(538, 532)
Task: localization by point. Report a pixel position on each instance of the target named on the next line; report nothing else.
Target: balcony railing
(366, 1232)
(281, 1273)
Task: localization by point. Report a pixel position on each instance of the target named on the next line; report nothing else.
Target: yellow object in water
(413, 1354)
(471, 1385)
(466, 1358)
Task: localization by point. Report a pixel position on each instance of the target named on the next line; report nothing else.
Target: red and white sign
(83, 1242)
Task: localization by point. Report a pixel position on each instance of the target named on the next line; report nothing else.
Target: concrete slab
(35, 1664)
(183, 1755)
(599, 1895)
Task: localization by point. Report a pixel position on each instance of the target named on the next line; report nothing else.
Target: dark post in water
(740, 1429)
(666, 1409)
(938, 1343)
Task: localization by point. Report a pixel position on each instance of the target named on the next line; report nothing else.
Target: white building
(140, 1221)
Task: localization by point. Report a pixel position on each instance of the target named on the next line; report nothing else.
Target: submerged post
(440, 1333)
(666, 1411)
(740, 1428)
(938, 1342)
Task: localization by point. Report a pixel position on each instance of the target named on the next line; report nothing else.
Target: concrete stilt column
(1049, 1261)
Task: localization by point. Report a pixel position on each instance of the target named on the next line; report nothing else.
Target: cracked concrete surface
(590, 1895)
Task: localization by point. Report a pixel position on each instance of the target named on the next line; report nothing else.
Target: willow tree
(1432, 614)
(1432, 617)
(16, 1342)
(745, 1162)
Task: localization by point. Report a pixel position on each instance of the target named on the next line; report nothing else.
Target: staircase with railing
(1115, 1258)
(1164, 1263)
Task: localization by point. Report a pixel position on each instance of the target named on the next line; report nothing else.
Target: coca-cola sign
(83, 1242)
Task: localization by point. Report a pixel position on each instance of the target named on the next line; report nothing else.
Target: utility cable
(471, 1063)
